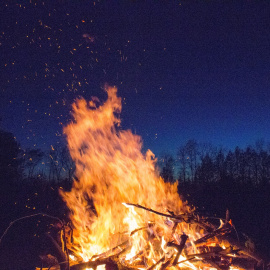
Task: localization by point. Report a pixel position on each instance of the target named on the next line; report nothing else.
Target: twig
(94, 264)
(139, 229)
(110, 250)
(157, 263)
(25, 217)
(241, 249)
(178, 218)
(227, 227)
(155, 212)
(34, 215)
(179, 247)
(118, 246)
(187, 260)
(166, 264)
(221, 251)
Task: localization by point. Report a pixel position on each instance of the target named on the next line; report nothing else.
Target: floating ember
(124, 216)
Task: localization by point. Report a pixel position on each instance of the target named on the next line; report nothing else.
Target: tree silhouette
(183, 164)
(67, 163)
(167, 172)
(206, 171)
(32, 158)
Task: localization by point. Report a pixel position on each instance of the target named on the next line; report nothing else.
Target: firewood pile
(218, 248)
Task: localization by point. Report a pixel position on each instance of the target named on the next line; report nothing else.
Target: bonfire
(123, 214)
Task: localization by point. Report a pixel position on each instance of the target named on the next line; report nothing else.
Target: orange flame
(112, 170)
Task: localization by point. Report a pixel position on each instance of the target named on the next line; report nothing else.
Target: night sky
(185, 69)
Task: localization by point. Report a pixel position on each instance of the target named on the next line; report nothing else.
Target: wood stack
(217, 249)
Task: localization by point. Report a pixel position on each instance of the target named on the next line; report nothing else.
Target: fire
(111, 171)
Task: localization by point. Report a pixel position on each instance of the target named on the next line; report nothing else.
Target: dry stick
(139, 229)
(155, 212)
(236, 248)
(94, 264)
(242, 249)
(221, 251)
(178, 218)
(224, 229)
(110, 250)
(25, 217)
(166, 264)
(118, 246)
(90, 264)
(239, 250)
(179, 251)
(141, 252)
(180, 247)
(187, 260)
(157, 263)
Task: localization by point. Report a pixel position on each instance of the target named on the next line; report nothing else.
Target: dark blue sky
(185, 69)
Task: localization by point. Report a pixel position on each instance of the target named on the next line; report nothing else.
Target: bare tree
(32, 158)
(167, 171)
(182, 159)
(192, 157)
(61, 165)
(206, 171)
(55, 162)
(68, 164)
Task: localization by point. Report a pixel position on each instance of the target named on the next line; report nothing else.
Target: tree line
(17, 163)
(193, 162)
(53, 165)
(204, 163)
